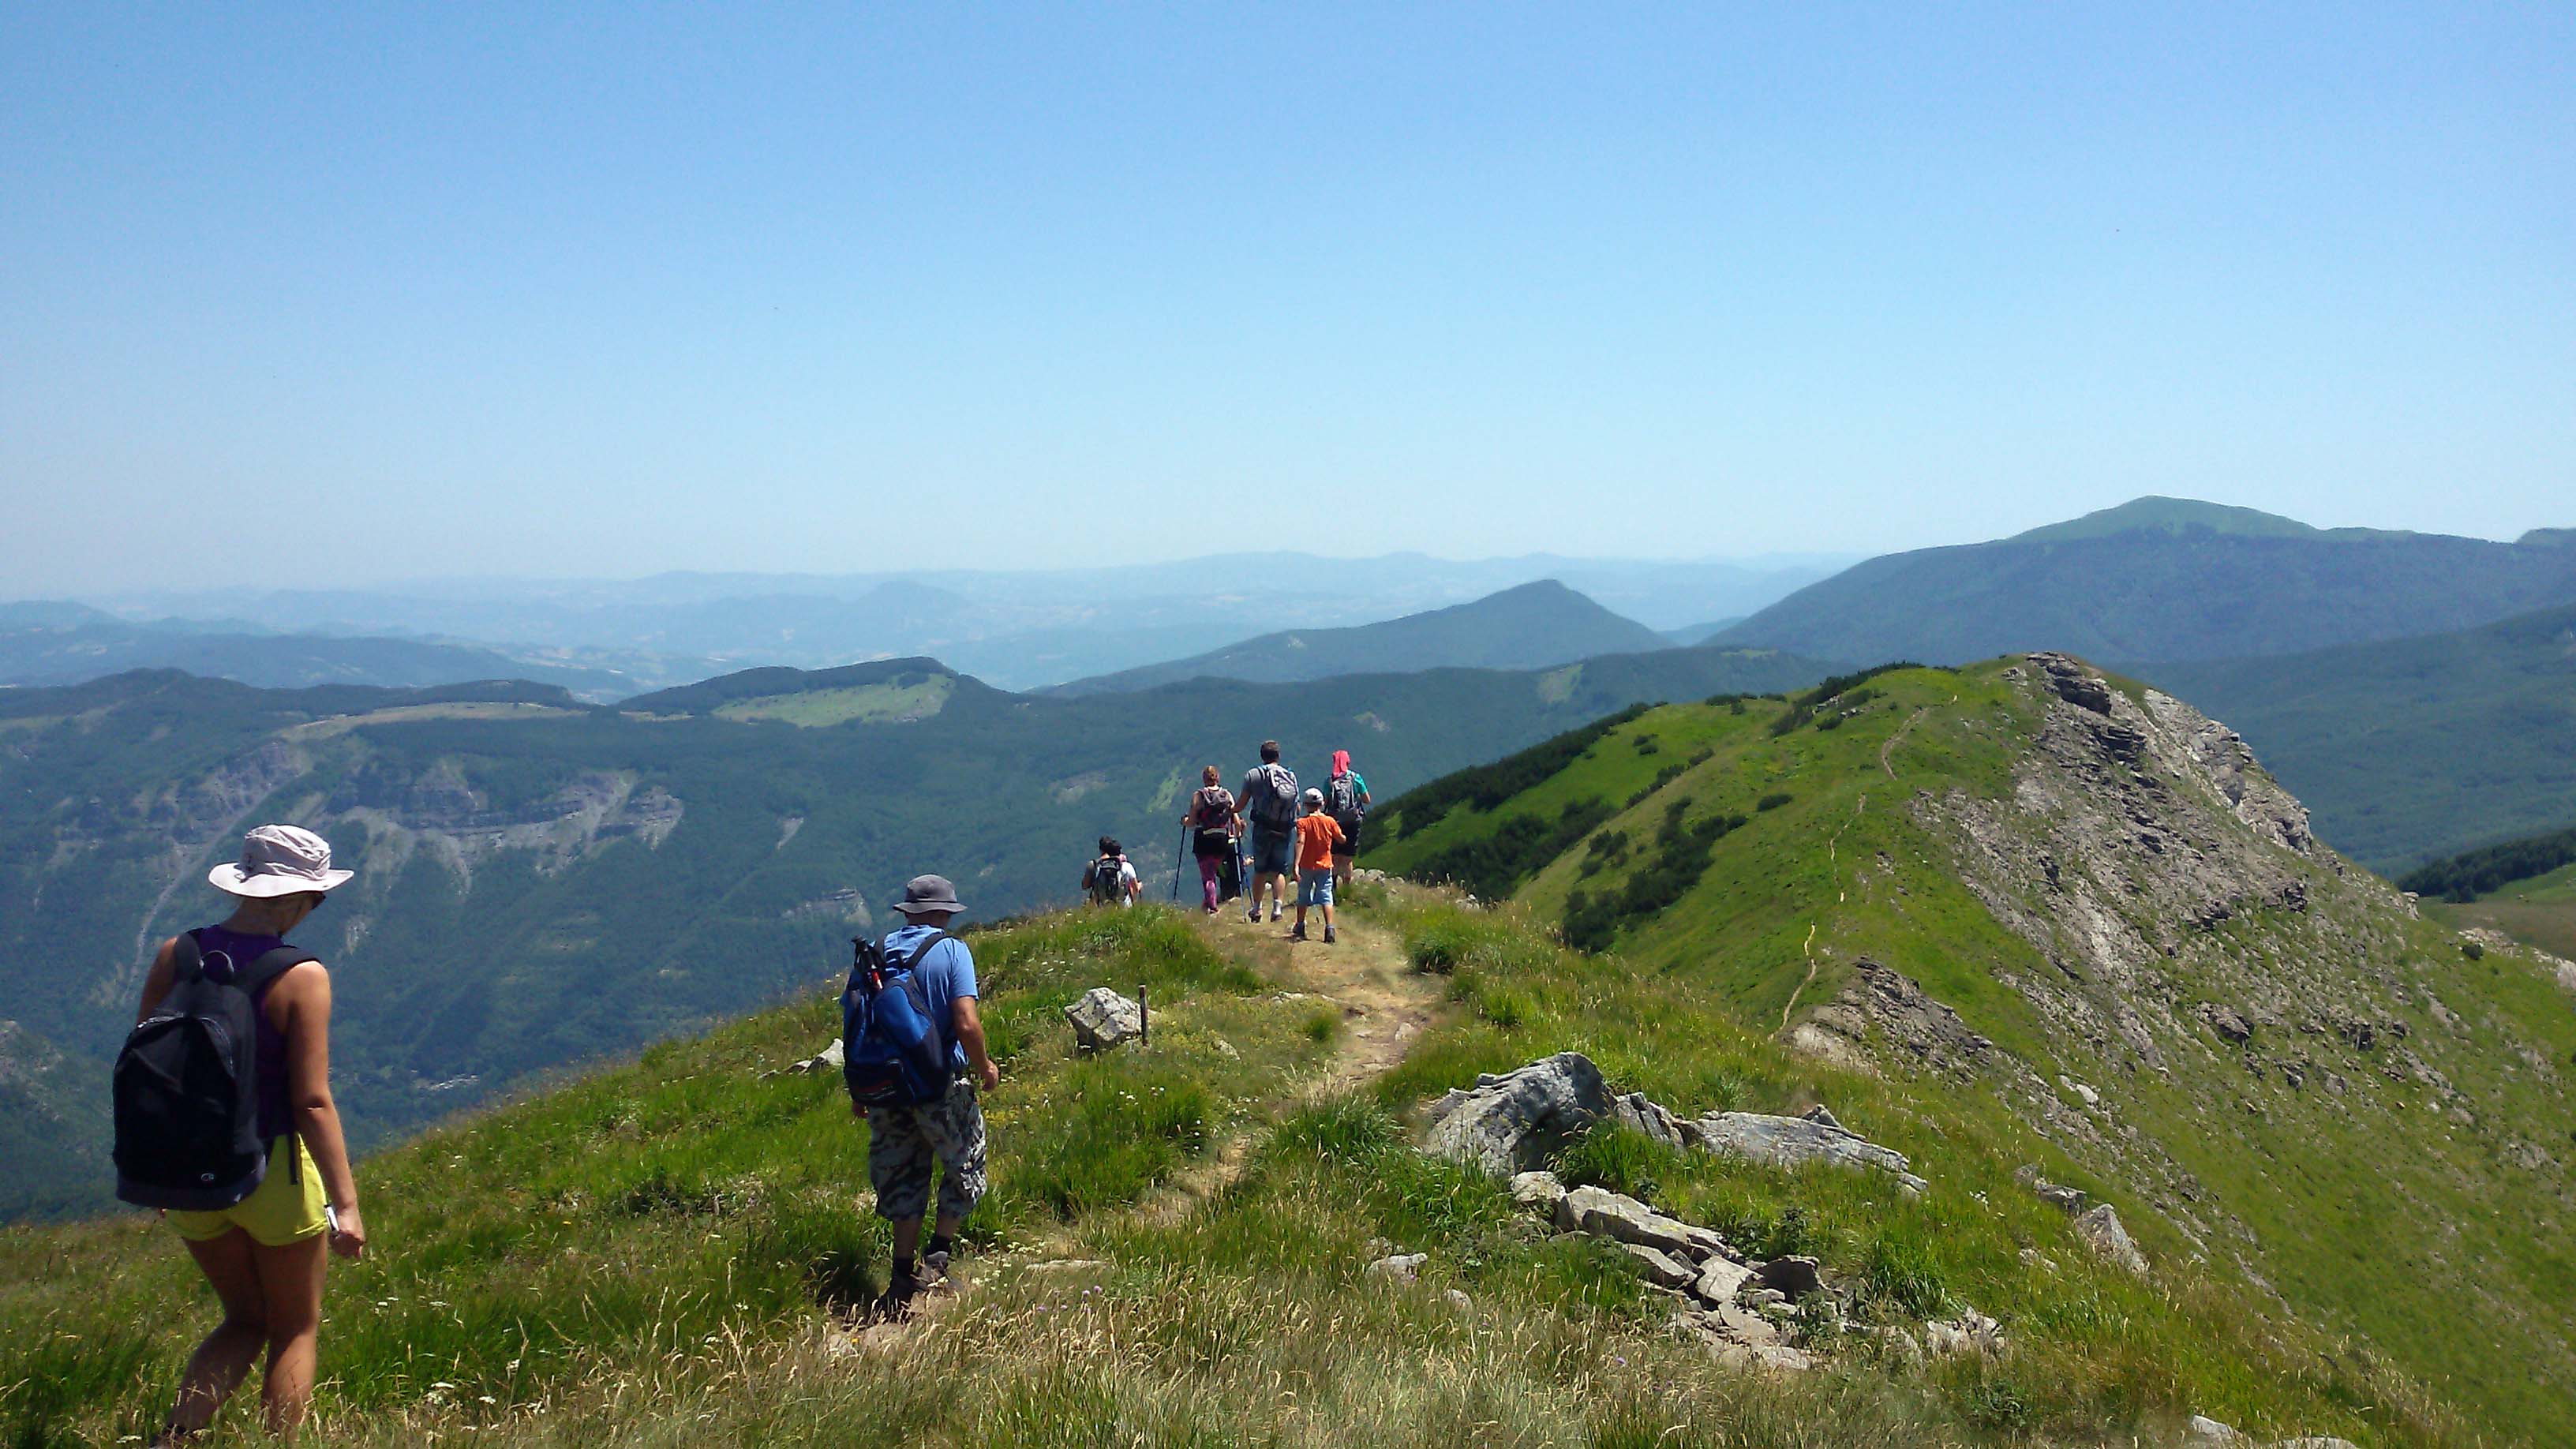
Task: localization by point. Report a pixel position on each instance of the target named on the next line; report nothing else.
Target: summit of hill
(2163, 579)
(1532, 626)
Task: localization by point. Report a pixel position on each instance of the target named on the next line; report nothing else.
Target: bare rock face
(2099, 1226)
(1102, 1019)
(1538, 1193)
(1606, 1214)
(1513, 1122)
(1648, 1117)
(1882, 1009)
(1795, 1141)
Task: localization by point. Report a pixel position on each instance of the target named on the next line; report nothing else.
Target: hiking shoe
(1274, 915)
(1297, 934)
(1253, 915)
(932, 1275)
(1328, 935)
(895, 1304)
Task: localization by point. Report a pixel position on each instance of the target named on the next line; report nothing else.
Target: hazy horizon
(599, 294)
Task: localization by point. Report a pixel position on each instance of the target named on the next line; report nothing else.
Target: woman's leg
(217, 1367)
(1208, 866)
(290, 1282)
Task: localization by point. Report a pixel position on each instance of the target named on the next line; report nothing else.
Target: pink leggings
(1209, 867)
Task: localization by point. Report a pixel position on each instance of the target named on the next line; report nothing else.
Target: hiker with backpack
(224, 1120)
(1268, 800)
(1317, 838)
(1110, 879)
(1211, 822)
(1346, 799)
(913, 1058)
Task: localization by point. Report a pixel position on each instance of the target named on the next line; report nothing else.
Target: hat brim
(923, 908)
(230, 878)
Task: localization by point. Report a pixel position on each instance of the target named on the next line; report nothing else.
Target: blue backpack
(894, 1048)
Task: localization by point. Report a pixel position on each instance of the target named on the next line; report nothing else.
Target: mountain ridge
(1536, 625)
(2155, 580)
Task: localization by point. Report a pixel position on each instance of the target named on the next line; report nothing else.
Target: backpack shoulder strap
(261, 974)
(187, 958)
(922, 949)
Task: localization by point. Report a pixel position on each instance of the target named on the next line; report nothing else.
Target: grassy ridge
(2454, 1120)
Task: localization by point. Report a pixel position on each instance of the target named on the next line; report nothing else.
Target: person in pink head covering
(1346, 799)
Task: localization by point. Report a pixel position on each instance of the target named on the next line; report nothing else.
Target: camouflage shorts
(902, 1142)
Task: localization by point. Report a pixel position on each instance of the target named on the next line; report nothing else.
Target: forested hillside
(542, 882)
(2411, 748)
(2081, 903)
(2165, 579)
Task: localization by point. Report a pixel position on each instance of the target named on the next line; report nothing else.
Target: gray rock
(2068, 1200)
(1538, 1192)
(1718, 1280)
(1606, 1214)
(2315, 1441)
(1662, 1269)
(1640, 1113)
(1970, 1332)
(1102, 1019)
(1457, 1299)
(2100, 1229)
(2206, 1433)
(1818, 1115)
(1795, 1141)
(1400, 1267)
(1513, 1122)
(829, 1059)
(1794, 1276)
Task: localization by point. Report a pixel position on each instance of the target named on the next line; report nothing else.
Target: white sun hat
(279, 860)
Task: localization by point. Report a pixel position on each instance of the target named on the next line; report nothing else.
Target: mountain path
(1385, 1006)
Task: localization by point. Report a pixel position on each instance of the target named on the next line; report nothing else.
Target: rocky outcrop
(2099, 1226)
(1795, 1142)
(1517, 1120)
(1102, 1019)
(1880, 1010)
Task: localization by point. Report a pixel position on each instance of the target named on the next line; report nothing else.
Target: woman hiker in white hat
(265, 1254)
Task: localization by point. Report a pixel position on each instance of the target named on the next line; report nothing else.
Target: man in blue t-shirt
(904, 1141)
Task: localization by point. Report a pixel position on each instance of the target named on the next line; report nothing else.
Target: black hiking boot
(1328, 935)
(895, 1304)
(1297, 933)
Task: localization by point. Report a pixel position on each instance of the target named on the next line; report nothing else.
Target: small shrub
(1321, 1025)
(1621, 1159)
(1773, 801)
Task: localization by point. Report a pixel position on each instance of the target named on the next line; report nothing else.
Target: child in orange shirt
(1317, 834)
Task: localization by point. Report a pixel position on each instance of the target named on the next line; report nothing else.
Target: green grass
(682, 1200)
(2300, 1182)
(885, 703)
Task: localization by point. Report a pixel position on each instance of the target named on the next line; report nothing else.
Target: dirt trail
(1385, 1005)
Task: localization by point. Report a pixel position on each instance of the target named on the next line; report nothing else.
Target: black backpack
(1342, 802)
(1106, 879)
(186, 1087)
(1277, 807)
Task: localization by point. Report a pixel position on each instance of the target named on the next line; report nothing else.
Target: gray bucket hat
(926, 893)
(279, 860)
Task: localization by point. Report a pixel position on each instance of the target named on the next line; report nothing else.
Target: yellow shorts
(287, 1208)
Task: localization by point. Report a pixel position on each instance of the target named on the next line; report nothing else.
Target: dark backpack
(1342, 802)
(1277, 807)
(186, 1085)
(894, 1048)
(1106, 879)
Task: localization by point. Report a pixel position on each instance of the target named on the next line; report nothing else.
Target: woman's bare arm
(156, 982)
(303, 995)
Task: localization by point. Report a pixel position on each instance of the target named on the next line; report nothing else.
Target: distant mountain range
(2411, 748)
(59, 643)
(2165, 579)
(542, 882)
(1529, 627)
(1023, 629)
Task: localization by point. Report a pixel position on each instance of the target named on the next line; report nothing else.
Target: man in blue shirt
(903, 1141)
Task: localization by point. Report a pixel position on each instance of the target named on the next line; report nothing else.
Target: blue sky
(468, 289)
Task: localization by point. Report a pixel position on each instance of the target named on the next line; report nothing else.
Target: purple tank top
(268, 1044)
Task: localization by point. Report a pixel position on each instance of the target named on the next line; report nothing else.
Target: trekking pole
(1144, 1019)
(1178, 861)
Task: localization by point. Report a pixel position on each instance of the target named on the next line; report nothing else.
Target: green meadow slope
(542, 883)
(1175, 1249)
(2258, 1052)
